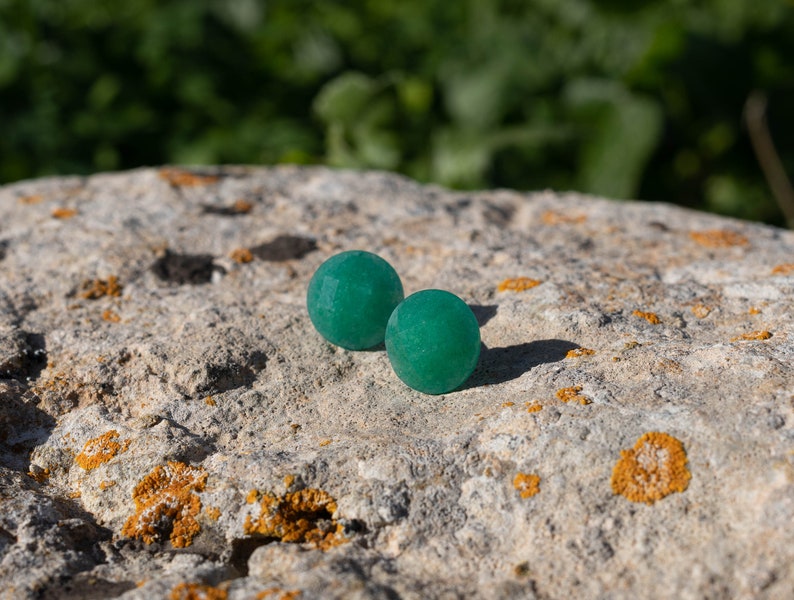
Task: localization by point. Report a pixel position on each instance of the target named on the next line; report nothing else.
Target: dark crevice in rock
(243, 548)
(36, 355)
(498, 214)
(284, 247)
(237, 209)
(23, 355)
(222, 377)
(185, 268)
(23, 425)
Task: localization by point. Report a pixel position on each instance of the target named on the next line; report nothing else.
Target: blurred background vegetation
(620, 98)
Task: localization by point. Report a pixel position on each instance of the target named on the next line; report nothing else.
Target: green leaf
(343, 99)
(620, 129)
(460, 158)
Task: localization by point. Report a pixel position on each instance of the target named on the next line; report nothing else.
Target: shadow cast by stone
(498, 365)
(484, 312)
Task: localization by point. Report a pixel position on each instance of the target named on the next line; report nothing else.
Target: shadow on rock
(23, 426)
(498, 365)
(484, 312)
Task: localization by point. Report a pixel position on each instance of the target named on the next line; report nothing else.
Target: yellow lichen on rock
(97, 288)
(654, 468)
(572, 394)
(578, 352)
(181, 178)
(166, 504)
(719, 238)
(652, 318)
(755, 335)
(61, 212)
(518, 284)
(302, 516)
(701, 311)
(783, 269)
(100, 450)
(527, 484)
(282, 594)
(552, 217)
(197, 591)
(241, 255)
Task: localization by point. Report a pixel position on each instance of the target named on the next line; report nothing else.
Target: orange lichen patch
(783, 269)
(63, 213)
(551, 217)
(103, 485)
(518, 284)
(305, 516)
(577, 352)
(718, 238)
(507, 404)
(701, 311)
(282, 594)
(100, 450)
(39, 474)
(197, 591)
(210, 401)
(527, 484)
(654, 468)
(652, 318)
(32, 199)
(754, 310)
(76, 494)
(288, 481)
(325, 442)
(669, 365)
(533, 407)
(242, 207)
(110, 316)
(571, 394)
(92, 290)
(755, 335)
(213, 512)
(241, 255)
(166, 504)
(180, 178)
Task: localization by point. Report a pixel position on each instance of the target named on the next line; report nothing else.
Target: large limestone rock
(171, 424)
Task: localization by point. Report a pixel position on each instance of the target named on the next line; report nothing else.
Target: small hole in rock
(284, 247)
(185, 268)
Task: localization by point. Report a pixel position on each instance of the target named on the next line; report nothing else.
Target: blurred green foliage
(615, 97)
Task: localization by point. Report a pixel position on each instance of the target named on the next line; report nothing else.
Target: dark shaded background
(616, 97)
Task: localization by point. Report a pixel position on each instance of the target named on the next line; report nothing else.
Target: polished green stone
(433, 341)
(350, 298)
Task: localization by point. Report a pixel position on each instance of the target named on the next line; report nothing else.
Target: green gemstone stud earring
(433, 341)
(350, 298)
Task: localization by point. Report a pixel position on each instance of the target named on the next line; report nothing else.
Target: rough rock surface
(171, 424)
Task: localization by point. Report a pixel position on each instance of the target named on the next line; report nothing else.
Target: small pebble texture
(351, 297)
(172, 425)
(433, 341)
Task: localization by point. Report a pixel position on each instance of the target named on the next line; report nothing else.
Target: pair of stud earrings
(356, 300)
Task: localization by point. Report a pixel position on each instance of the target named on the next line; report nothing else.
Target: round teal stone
(433, 341)
(350, 298)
